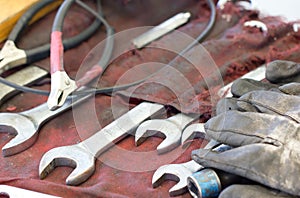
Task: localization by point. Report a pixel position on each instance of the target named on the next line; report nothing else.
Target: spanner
(193, 131)
(26, 76)
(180, 172)
(25, 125)
(170, 128)
(82, 155)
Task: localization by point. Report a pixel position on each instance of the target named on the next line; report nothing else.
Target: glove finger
(273, 166)
(243, 161)
(281, 71)
(250, 191)
(273, 103)
(236, 128)
(243, 86)
(291, 88)
(226, 104)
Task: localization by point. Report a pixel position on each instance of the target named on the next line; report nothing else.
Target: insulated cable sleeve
(103, 63)
(42, 52)
(25, 19)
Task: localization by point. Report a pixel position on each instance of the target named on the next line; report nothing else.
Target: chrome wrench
(25, 125)
(180, 172)
(170, 128)
(82, 156)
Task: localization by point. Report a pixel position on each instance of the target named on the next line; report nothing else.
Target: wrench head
(24, 129)
(159, 128)
(192, 132)
(74, 156)
(175, 172)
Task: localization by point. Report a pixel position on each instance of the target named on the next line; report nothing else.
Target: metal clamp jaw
(11, 56)
(61, 87)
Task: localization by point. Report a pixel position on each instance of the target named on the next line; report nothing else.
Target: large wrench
(26, 76)
(82, 155)
(25, 125)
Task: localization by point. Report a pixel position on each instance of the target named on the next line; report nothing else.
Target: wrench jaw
(25, 132)
(175, 173)
(73, 156)
(18, 144)
(192, 132)
(159, 128)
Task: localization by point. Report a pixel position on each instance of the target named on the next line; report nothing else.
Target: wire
(87, 91)
(104, 60)
(108, 50)
(206, 31)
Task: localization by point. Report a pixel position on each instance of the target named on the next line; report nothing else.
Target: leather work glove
(250, 191)
(285, 76)
(263, 126)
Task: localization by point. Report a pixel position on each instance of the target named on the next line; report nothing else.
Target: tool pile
(230, 91)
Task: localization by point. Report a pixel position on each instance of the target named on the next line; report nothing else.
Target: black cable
(88, 91)
(104, 60)
(60, 15)
(204, 33)
(208, 28)
(116, 88)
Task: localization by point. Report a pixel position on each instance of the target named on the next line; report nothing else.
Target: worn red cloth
(234, 49)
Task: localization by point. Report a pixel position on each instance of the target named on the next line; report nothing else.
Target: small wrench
(170, 128)
(180, 172)
(25, 125)
(26, 76)
(82, 155)
(193, 131)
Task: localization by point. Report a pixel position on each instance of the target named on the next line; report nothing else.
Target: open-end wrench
(26, 76)
(193, 131)
(179, 173)
(82, 155)
(25, 125)
(170, 129)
